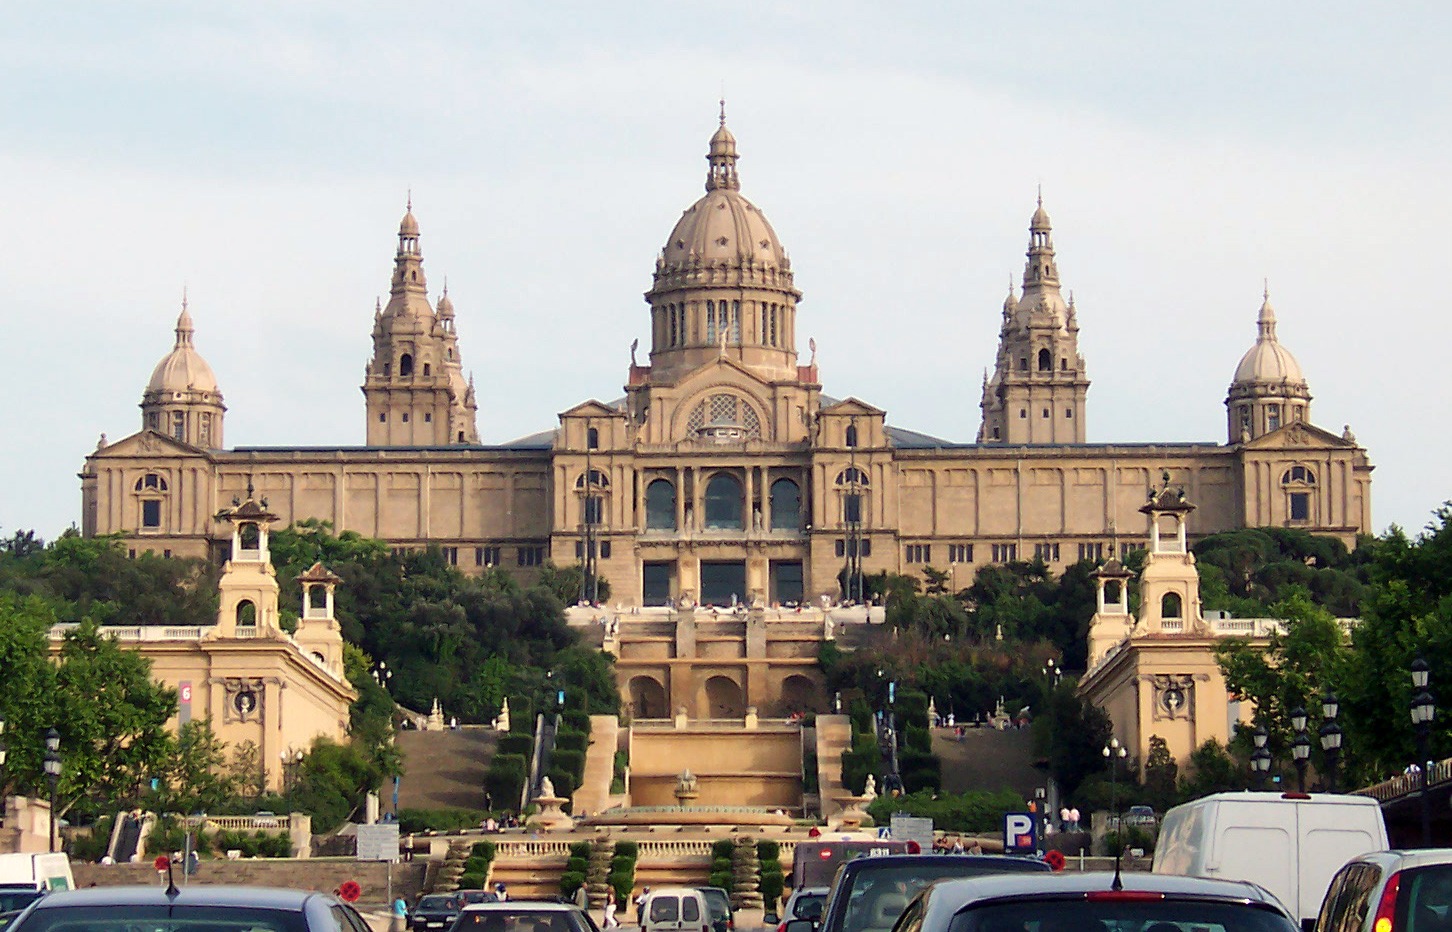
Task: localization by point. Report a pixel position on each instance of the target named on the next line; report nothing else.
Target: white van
(1289, 843)
(36, 872)
(675, 909)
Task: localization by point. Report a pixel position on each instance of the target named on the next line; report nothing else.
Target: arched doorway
(799, 695)
(723, 698)
(647, 698)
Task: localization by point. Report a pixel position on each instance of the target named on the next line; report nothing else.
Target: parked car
(869, 893)
(804, 903)
(1390, 891)
(675, 909)
(1140, 816)
(523, 916)
(35, 872)
(435, 911)
(718, 901)
(1090, 902)
(190, 908)
(475, 897)
(1289, 843)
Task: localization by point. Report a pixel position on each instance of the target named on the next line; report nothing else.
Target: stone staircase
(445, 768)
(834, 735)
(988, 759)
(593, 796)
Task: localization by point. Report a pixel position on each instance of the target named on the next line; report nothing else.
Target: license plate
(434, 925)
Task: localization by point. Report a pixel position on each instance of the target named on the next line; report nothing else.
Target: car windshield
(136, 918)
(878, 895)
(1169, 915)
(1424, 899)
(523, 920)
(438, 902)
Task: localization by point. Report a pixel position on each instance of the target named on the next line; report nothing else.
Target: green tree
(1212, 770)
(193, 777)
(1161, 774)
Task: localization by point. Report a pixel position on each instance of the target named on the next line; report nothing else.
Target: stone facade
(725, 474)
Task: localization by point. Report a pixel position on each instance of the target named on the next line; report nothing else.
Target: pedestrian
(1065, 823)
(408, 847)
(1074, 818)
(977, 847)
(582, 899)
(640, 905)
(610, 921)
(399, 921)
(958, 845)
(501, 891)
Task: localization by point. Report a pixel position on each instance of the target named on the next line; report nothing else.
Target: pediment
(592, 408)
(853, 407)
(724, 372)
(146, 443)
(1299, 435)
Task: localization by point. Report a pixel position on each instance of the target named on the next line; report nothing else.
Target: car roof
(900, 860)
(674, 891)
(200, 895)
(951, 896)
(1401, 859)
(551, 906)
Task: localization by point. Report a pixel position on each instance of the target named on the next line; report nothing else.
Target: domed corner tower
(182, 399)
(1039, 386)
(414, 386)
(723, 283)
(1269, 390)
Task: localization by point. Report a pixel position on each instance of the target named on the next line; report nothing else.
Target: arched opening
(723, 698)
(660, 506)
(246, 614)
(1170, 606)
(1046, 361)
(647, 698)
(723, 503)
(249, 536)
(799, 695)
(786, 506)
(592, 438)
(851, 435)
(405, 365)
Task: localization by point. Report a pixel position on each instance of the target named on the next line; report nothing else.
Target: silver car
(1410, 890)
(1094, 902)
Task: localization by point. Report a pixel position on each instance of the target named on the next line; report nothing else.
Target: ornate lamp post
(1301, 748)
(1424, 711)
(1330, 737)
(1114, 753)
(52, 774)
(381, 674)
(1260, 758)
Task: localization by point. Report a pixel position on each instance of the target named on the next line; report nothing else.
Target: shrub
(622, 883)
(622, 862)
(571, 741)
(470, 880)
(856, 767)
(168, 834)
(722, 848)
(570, 881)
(571, 762)
(577, 865)
(912, 708)
(575, 720)
(505, 779)
(92, 846)
(768, 851)
(476, 865)
(514, 743)
(521, 717)
(929, 779)
(438, 820)
(274, 845)
(483, 849)
(629, 849)
(772, 884)
(918, 739)
(864, 742)
(721, 879)
(580, 849)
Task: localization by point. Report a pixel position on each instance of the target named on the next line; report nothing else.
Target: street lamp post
(52, 774)
(1330, 737)
(1114, 753)
(1424, 710)
(1260, 758)
(381, 674)
(1301, 748)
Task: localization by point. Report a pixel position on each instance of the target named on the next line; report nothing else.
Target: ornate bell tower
(248, 588)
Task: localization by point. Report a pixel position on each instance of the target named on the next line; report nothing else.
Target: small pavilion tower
(1038, 388)
(1169, 595)
(1269, 390)
(318, 632)
(248, 588)
(1112, 622)
(181, 398)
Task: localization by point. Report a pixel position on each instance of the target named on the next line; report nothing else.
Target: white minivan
(1289, 843)
(675, 909)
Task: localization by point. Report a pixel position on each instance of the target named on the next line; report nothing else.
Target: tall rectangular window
(852, 509)
(1300, 506)
(151, 513)
(179, 425)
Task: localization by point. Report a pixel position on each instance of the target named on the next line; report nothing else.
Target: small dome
(1268, 361)
(722, 142)
(408, 226)
(183, 369)
(446, 304)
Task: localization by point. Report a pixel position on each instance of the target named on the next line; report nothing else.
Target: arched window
(660, 505)
(1170, 605)
(246, 614)
(151, 482)
(597, 480)
(786, 505)
(852, 476)
(1046, 361)
(592, 438)
(249, 536)
(723, 502)
(851, 435)
(1298, 474)
(710, 321)
(405, 365)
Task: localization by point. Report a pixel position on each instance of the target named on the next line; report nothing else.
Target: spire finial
(1041, 194)
(1266, 293)
(723, 107)
(446, 286)
(184, 296)
(409, 202)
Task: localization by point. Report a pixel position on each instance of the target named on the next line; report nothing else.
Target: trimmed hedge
(580, 849)
(570, 881)
(629, 849)
(571, 741)
(515, 743)
(471, 881)
(521, 718)
(484, 849)
(768, 851)
(918, 739)
(438, 820)
(575, 720)
(622, 862)
(577, 865)
(856, 767)
(572, 762)
(505, 779)
(564, 782)
(722, 848)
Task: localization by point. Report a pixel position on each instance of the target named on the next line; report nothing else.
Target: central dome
(1268, 361)
(723, 227)
(183, 369)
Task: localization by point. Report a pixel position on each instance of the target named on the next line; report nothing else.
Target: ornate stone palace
(725, 474)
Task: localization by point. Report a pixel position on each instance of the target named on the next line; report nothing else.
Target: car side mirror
(800, 925)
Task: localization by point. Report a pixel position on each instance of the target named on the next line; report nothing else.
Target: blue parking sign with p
(1020, 833)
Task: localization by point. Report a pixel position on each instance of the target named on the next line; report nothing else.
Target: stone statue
(634, 345)
(547, 788)
(869, 792)
(686, 783)
(827, 629)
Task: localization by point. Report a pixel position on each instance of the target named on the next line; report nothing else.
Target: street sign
(913, 828)
(1020, 833)
(378, 842)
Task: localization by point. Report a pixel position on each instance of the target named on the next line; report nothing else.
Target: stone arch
(660, 505)
(724, 503)
(1171, 606)
(246, 614)
(647, 697)
(798, 694)
(724, 698)
(249, 535)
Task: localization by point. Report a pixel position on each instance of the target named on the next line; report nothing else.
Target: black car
(1094, 902)
(868, 894)
(434, 912)
(191, 909)
(719, 902)
(524, 916)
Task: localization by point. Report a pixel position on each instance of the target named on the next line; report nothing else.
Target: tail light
(1386, 909)
(914, 848)
(1124, 896)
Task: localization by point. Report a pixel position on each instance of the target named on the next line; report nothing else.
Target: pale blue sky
(259, 153)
